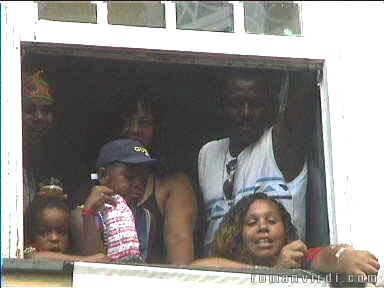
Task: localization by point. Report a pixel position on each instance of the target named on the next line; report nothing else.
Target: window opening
(92, 93)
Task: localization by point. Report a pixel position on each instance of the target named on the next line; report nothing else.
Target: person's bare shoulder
(172, 185)
(174, 179)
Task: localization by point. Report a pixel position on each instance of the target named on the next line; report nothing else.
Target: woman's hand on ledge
(357, 262)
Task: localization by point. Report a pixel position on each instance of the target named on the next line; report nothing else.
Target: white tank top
(257, 171)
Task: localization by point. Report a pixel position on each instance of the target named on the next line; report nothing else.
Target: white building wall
(348, 36)
(353, 35)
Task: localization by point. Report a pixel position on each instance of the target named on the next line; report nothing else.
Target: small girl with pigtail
(47, 226)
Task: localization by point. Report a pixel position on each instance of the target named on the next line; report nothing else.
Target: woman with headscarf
(37, 115)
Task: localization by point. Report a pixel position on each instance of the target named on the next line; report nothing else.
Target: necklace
(228, 184)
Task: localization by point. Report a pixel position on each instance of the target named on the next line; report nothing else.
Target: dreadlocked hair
(228, 242)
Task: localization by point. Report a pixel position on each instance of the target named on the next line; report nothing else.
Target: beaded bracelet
(29, 251)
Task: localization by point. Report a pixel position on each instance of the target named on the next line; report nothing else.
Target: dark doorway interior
(92, 93)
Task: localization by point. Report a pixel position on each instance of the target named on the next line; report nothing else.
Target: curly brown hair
(228, 242)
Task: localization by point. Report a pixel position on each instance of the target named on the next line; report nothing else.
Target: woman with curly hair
(258, 231)
(231, 239)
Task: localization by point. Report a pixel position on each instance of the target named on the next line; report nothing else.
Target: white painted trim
(101, 12)
(164, 39)
(301, 22)
(170, 15)
(168, 38)
(238, 17)
(27, 17)
(11, 137)
(328, 163)
(148, 276)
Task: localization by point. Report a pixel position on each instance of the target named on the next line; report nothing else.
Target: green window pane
(69, 11)
(136, 13)
(204, 15)
(273, 18)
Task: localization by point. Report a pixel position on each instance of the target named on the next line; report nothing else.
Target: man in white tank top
(265, 151)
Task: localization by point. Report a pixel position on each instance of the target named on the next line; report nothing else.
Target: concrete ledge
(37, 266)
(36, 273)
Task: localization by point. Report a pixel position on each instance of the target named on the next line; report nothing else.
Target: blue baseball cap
(125, 151)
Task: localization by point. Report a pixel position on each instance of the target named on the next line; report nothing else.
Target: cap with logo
(125, 151)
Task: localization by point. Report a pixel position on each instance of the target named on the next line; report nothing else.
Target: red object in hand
(312, 252)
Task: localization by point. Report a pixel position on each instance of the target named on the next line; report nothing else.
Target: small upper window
(204, 15)
(274, 18)
(82, 11)
(137, 13)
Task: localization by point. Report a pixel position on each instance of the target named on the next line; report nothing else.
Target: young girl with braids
(47, 227)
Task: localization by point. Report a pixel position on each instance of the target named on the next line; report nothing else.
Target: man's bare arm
(292, 130)
(349, 261)
(180, 210)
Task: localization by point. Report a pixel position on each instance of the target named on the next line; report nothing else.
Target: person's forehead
(53, 216)
(246, 81)
(142, 109)
(140, 116)
(36, 101)
(262, 207)
(128, 167)
(238, 81)
(251, 88)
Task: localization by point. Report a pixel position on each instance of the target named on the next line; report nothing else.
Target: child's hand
(98, 197)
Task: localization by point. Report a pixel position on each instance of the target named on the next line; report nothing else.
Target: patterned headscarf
(34, 86)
